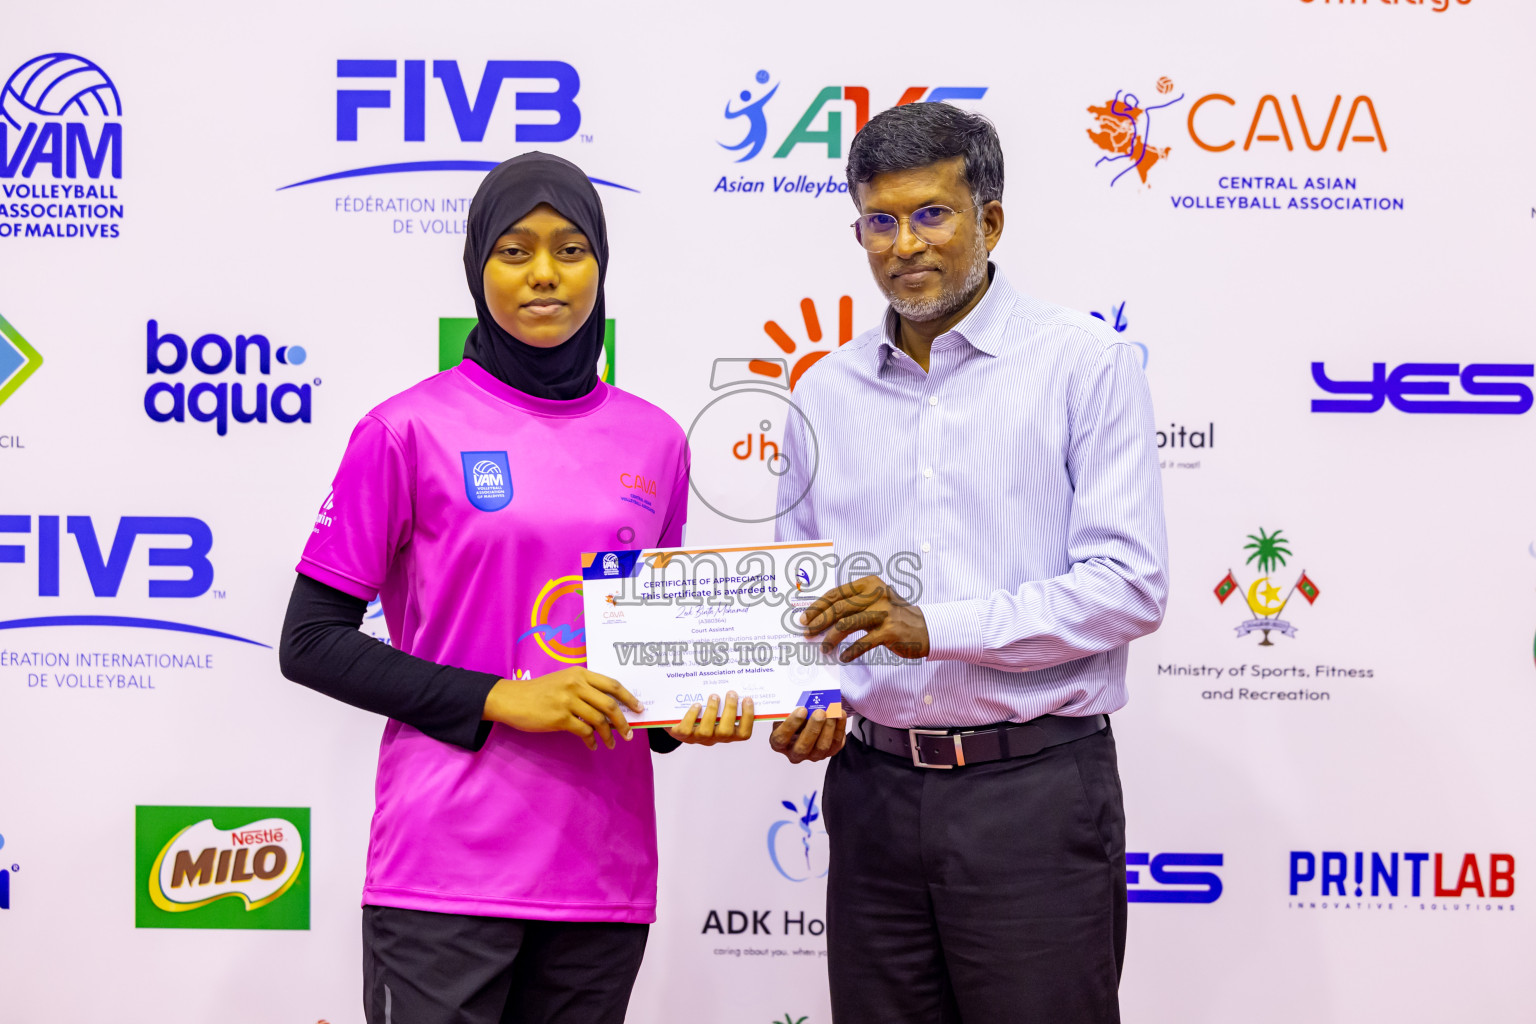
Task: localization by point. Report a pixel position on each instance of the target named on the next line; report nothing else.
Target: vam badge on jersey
(487, 480)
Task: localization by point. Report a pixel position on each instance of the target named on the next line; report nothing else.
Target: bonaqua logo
(59, 123)
(217, 400)
(1267, 552)
(5, 880)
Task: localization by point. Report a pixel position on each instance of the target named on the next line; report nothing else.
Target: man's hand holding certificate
(679, 625)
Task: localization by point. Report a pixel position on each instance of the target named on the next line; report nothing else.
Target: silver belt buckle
(917, 757)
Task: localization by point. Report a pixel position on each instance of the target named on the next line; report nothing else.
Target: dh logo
(487, 480)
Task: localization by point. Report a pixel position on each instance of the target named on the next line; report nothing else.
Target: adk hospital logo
(819, 133)
(1269, 153)
(423, 117)
(61, 150)
(221, 867)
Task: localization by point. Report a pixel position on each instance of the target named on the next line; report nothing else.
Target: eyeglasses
(934, 225)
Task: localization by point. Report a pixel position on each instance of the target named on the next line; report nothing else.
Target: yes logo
(1175, 883)
(487, 480)
(222, 867)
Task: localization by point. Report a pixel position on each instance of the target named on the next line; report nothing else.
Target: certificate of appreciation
(677, 625)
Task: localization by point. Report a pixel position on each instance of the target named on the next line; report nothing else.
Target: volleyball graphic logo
(58, 85)
(1165, 85)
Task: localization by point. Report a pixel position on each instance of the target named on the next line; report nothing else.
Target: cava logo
(222, 867)
(1268, 553)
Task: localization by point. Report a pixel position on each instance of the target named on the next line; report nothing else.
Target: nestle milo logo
(222, 867)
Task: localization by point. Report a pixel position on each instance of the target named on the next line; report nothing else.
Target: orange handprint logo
(781, 338)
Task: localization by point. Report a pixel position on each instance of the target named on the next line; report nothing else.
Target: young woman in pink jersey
(512, 855)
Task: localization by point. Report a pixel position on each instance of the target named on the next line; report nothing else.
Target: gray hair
(919, 134)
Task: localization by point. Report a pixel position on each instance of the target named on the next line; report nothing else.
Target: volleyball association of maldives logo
(1268, 553)
(58, 124)
(566, 640)
(487, 480)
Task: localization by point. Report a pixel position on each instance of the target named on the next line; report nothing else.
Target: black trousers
(989, 894)
(426, 968)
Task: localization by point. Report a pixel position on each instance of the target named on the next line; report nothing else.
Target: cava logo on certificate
(676, 626)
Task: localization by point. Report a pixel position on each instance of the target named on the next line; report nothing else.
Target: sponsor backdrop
(225, 236)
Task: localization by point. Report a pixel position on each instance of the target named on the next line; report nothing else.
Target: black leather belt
(958, 747)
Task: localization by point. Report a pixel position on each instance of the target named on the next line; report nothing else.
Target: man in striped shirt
(1006, 446)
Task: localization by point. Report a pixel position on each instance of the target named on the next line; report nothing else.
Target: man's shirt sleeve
(366, 518)
(1117, 586)
(795, 518)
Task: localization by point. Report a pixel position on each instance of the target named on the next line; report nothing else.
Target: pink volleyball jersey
(466, 505)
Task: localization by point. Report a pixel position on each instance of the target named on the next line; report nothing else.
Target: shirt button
(925, 546)
(933, 399)
(927, 473)
(927, 698)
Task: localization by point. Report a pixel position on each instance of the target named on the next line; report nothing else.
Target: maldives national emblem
(1267, 553)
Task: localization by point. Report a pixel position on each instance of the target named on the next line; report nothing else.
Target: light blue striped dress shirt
(1022, 470)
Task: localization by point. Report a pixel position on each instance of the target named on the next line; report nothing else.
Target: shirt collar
(982, 327)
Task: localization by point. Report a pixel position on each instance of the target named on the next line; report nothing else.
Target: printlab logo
(803, 854)
(18, 360)
(185, 552)
(1375, 874)
(487, 480)
(453, 332)
(820, 126)
(5, 880)
(1411, 388)
(221, 867)
(213, 398)
(564, 641)
(1267, 552)
(382, 106)
(1130, 135)
(1172, 880)
(58, 124)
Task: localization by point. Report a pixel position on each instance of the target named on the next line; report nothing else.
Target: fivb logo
(208, 402)
(106, 573)
(194, 872)
(805, 133)
(471, 118)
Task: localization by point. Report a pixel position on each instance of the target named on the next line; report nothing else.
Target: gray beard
(949, 300)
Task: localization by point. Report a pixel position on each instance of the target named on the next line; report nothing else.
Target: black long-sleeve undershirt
(323, 649)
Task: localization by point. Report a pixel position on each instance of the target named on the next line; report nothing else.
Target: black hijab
(505, 197)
